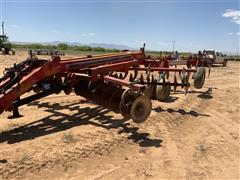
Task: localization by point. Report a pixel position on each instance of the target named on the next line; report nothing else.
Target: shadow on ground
(201, 94)
(171, 99)
(181, 111)
(58, 121)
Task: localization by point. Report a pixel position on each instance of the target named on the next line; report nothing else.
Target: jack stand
(15, 112)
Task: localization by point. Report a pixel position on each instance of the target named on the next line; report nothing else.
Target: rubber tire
(225, 63)
(199, 77)
(13, 52)
(3, 51)
(7, 51)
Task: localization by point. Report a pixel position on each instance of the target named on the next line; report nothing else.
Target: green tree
(62, 46)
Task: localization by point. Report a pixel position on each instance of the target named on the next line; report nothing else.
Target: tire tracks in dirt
(97, 143)
(197, 143)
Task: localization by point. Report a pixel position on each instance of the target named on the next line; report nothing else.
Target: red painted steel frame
(90, 67)
(135, 86)
(56, 66)
(168, 61)
(163, 69)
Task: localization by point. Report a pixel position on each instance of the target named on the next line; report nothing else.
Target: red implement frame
(92, 68)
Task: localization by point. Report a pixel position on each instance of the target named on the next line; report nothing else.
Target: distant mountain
(103, 45)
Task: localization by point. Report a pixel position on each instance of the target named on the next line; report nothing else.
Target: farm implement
(46, 52)
(124, 82)
(205, 58)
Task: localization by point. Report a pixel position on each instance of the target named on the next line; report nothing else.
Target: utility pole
(3, 28)
(174, 45)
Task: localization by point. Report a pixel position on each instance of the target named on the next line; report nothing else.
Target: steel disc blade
(57, 83)
(135, 74)
(68, 89)
(131, 79)
(125, 112)
(107, 94)
(149, 90)
(115, 75)
(79, 88)
(175, 83)
(116, 100)
(120, 76)
(141, 109)
(93, 85)
(141, 79)
(152, 79)
(96, 96)
(163, 92)
(127, 97)
(126, 101)
(125, 75)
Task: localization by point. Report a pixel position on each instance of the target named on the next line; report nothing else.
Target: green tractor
(5, 45)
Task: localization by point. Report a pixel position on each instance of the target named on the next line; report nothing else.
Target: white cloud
(238, 33)
(13, 26)
(233, 14)
(230, 34)
(83, 34)
(91, 34)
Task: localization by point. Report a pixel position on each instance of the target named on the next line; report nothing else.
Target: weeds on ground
(25, 157)
(14, 125)
(202, 148)
(68, 138)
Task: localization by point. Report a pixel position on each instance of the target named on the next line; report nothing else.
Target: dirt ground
(66, 137)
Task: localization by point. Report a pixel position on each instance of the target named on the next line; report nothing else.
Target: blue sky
(194, 25)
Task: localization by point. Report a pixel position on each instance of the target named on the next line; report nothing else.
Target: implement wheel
(199, 77)
(225, 63)
(3, 51)
(141, 109)
(13, 51)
